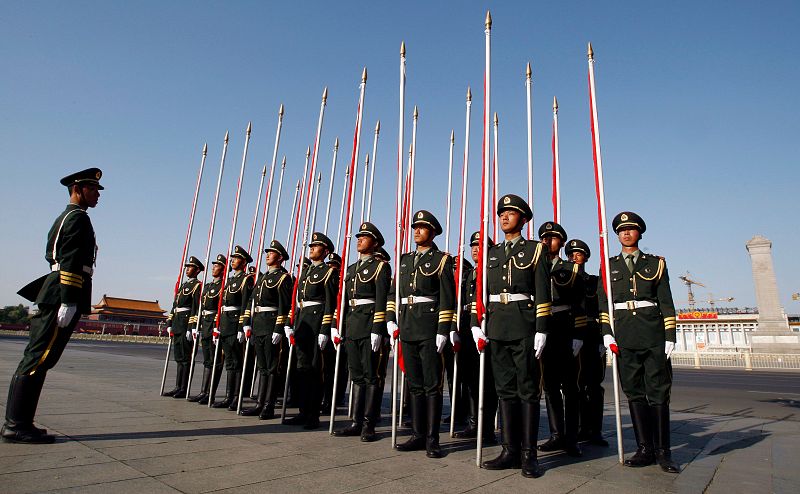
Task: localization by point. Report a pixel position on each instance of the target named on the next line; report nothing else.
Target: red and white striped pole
(529, 90)
(556, 167)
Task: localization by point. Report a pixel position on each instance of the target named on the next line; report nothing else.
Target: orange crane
(688, 281)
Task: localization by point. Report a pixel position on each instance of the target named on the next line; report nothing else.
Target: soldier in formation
(181, 318)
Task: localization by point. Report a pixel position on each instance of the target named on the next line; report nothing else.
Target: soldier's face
(273, 258)
(366, 244)
(317, 252)
(553, 243)
(89, 195)
(216, 270)
(237, 263)
(629, 237)
(511, 221)
(422, 235)
(191, 271)
(578, 257)
(476, 249)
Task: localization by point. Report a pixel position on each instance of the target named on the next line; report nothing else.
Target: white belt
(86, 269)
(415, 299)
(309, 303)
(506, 298)
(560, 308)
(182, 309)
(261, 308)
(354, 302)
(229, 308)
(209, 312)
(634, 304)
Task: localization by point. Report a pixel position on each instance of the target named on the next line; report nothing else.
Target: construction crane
(688, 281)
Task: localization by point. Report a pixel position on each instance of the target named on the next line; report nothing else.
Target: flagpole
(495, 179)
(330, 187)
(529, 90)
(364, 188)
(341, 207)
(291, 216)
(372, 172)
(556, 167)
(411, 174)
(449, 191)
(601, 204)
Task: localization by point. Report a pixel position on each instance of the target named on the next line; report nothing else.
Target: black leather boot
(268, 412)
(214, 387)
(257, 388)
(640, 416)
(434, 416)
(555, 415)
(373, 399)
(231, 389)
(359, 403)
(236, 384)
(205, 383)
(571, 418)
(298, 383)
(471, 430)
(660, 415)
(530, 433)
(510, 456)
(23, 398)
(183, 370)
(261, 399)
(178, 374)
(418, 417)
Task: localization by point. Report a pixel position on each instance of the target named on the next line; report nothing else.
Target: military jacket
(184, 307)
(318, 283)
(367, 280)
(567, 289)
(70, 253)
(524, 272)
(642, 327)
(591, 285)
(209, 303)
(468, 279)
(432, 277)
(273, 289)
(237, 293)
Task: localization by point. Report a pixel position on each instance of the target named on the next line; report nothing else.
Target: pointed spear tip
(280, 111)
(308, 151)
(378, 127)
(452, 135)
(283, 163)
(528, 71)
(205, 149)
(469, 94)
(402, 48)
(336, 144)
(226, 136)
(366, 160)
(249, 127)
(325, 94)
(488, 20)
(264, 170)
(410, 148)
(555, 103)
(496, 121)
(364, 75)
(416, 111)
(590, 52)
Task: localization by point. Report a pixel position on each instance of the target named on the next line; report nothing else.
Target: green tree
(14, 314)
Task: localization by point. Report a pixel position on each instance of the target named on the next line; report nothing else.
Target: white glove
(240, 337)
(610, 343)
(288, 331)
(441, 341)
(276, 338)
(336, 336)
(538, 343)
(194, 332)
(391, 326)
(65, 314)
(455, 340)
(375, 341)
(478, 336)
(188, 335)
(576, 347)
(602, 349)
(169, 329)
(322, 340)
(247, 330)
(669, 347)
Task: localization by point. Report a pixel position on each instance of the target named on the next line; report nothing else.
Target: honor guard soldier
(592, 355)
(180, 321)
(334, 261)
(62, 296)
(382, 255)
(517, 318)
(559, 359)
(468, 357)
(271, 302)
(234, 310)
(366, 288)
(209, 303)
(427, 312)
(644, 333)
(317, 289)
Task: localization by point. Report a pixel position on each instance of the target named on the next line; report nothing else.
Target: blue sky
(697, 106)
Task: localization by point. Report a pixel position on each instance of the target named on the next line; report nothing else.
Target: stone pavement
(116, 435)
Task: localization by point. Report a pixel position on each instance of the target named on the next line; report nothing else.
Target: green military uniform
(519, 307)
(209, 303)
(234, 310)
(62, 297)
(270, 302)
(180, 319)
(329, 354)
(644, 319)
(426, 287)
(559, 365)
(366, 289)
(317, 289)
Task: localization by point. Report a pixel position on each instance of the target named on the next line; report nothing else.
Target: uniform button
(505, 265)
(504, 277)
(505, 289)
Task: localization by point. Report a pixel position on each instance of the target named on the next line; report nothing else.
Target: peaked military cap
(87, 176)
(220, 260)
(335, 259)
(193, 261)
(239, 252)
(426, 218)
(368, 228)
(318, 238)
(515, 202)
(630, 220)
(277, 248)
(578, 246)
(475, 238)
(552, 228)
(383, 255)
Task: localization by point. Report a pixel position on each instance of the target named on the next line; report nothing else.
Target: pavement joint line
(510, 474)
(714, 475)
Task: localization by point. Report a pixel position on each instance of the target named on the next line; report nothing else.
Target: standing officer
(517, 316)
(180, 319)
(468, 356)
(271, 302)
(334, 261)
(559, 359)
(317, 290)
(209, 302)
(592, 356)
(366, 288)
(234, 310)
(427, 313)
(62, 296)
(644, 322)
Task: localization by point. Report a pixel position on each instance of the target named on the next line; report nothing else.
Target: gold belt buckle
(631, 304)
(410, 300)
(352, 303)
(504, 298)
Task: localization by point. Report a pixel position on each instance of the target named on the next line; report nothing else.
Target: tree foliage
(14, 314)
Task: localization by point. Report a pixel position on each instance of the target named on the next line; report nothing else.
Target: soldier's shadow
(275, 428)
